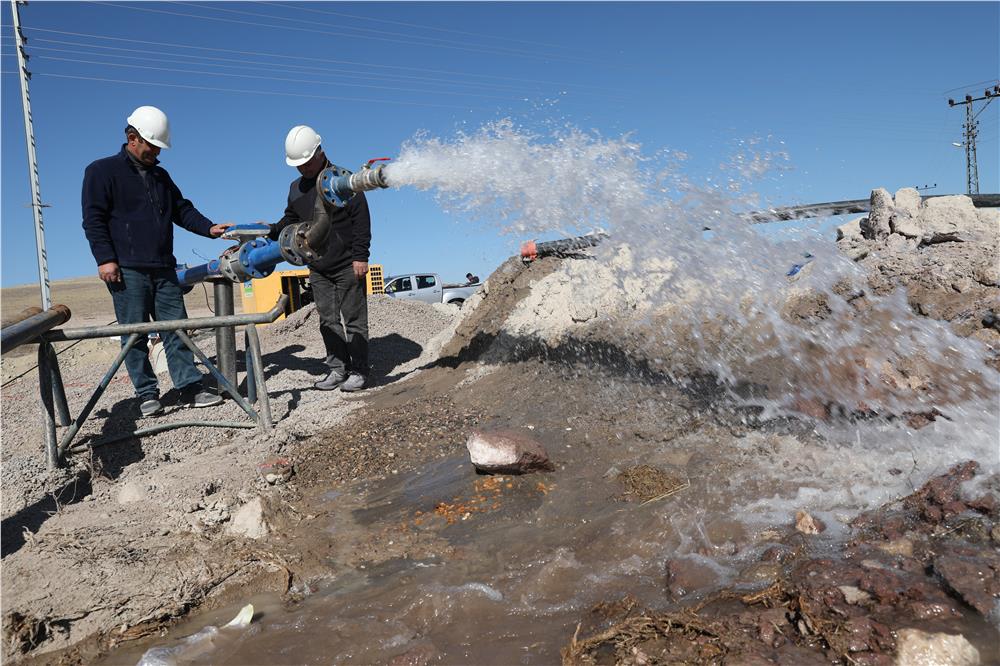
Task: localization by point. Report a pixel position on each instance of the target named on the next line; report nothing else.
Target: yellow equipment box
(260, 295)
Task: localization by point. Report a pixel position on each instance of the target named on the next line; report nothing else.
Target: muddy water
(443, 564)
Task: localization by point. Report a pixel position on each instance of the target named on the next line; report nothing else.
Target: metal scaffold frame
(55, 410)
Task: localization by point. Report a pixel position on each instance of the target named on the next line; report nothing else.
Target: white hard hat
(301, 144)
(152, 125)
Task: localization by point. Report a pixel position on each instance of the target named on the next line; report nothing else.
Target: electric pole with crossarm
(970, 129)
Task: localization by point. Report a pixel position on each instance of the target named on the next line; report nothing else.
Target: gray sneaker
(354, 382)
(192, 396)
(150, 407)
(331, 381)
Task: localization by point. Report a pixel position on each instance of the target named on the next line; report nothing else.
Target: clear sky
(855, 93)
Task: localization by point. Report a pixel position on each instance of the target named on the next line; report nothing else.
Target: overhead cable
(340, 26)
(269, 78)
(367, 65)
(158, 56)
(419, 26)
(256, 92)
(338, 33)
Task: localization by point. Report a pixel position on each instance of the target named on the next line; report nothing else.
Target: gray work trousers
(343, 319)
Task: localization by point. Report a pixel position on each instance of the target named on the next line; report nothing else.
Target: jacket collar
(129, 159)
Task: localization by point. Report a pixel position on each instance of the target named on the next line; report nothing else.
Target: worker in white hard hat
(338, 277)
(130, 207)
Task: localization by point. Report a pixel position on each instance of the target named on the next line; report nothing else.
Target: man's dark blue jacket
(129, 218)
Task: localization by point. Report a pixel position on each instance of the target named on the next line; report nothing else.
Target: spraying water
(705, 290)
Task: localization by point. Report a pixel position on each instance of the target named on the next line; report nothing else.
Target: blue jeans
(153, 294)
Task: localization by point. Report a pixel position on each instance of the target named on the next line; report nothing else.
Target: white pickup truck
(428, 288)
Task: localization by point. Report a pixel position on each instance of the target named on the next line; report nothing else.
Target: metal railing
(55, 409)
(30, 324)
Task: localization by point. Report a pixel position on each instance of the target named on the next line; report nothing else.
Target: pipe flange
(229, 265)
(248, 266)
(299, 244)
(334, 185)
(290, 250)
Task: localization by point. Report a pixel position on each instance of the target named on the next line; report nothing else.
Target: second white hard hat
(301, 144)
(152, 125)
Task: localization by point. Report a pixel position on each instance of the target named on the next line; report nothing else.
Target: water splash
(690, 280)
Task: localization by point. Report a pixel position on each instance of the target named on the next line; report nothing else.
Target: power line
(340, 33)
(158, 56)
(421, 26)
(269, 78)
(340, 26)
(254, 92)
(327, 61)
(970, 85)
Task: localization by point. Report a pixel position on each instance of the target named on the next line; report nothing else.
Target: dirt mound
(803, 349)
(944, 251)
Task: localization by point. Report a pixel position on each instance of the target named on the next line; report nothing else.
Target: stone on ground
(506, 452)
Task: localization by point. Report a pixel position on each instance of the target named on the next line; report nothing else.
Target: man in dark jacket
(130, 205)
(338, 277)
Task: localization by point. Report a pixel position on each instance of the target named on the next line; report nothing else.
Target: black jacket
(350, 226)
(129, 218)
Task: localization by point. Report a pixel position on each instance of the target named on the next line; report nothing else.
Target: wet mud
(635, 549)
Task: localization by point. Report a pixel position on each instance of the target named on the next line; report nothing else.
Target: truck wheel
(456, 301)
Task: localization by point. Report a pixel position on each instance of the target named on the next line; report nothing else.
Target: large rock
(951, 218)
(850, 230)
(904, 220)
(877, 225)
(919, 648)
(249, 520)
(907, 201)
(506, 452)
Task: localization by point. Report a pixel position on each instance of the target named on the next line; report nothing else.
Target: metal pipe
(86, 333)
(560, 248)
(22, 315)
(96, 395)
(338, 185)
(58, 388)
(48, 414)
(249, 363)
(225, 336)
(162, 427)
(193, 274)
(222, 381)
(258, 373)
(29, 329)
(849, 206)
(531, 250)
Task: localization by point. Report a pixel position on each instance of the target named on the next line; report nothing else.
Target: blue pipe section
(260, 256)
(195, 274)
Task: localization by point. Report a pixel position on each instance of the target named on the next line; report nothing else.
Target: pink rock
(506, 452)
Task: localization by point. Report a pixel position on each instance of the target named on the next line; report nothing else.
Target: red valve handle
(377, 159)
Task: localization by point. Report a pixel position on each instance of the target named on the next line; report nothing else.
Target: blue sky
(854, 92)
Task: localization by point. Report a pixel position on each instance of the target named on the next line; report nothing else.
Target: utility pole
(29, 137)
(970, 129)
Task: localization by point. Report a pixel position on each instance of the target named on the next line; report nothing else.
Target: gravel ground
(173, 492)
